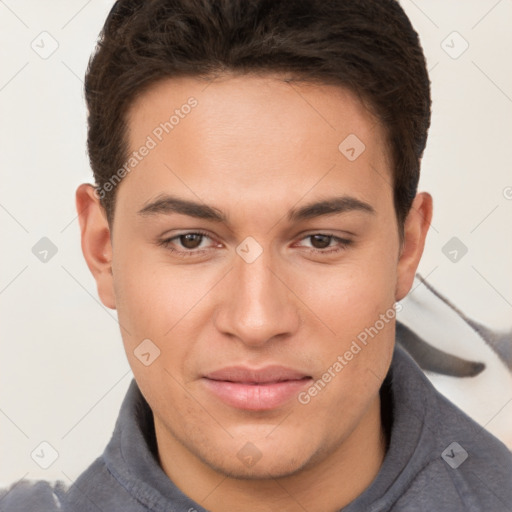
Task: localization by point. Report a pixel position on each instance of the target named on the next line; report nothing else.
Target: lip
(256, 389)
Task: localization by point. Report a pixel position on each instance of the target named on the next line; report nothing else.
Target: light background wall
(63, 372)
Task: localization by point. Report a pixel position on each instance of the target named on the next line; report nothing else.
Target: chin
(263, 469)
(263, 458)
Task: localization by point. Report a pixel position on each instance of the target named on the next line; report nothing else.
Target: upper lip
(263, 375)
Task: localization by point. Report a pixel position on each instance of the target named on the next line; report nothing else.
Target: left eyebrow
(330, 206)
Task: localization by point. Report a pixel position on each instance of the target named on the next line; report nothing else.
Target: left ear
(416, 227)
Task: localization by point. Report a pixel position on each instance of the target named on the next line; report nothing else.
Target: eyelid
(342, 243)
(334, 232)
(166, 241)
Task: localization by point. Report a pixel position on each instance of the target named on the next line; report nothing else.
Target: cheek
(151, 295)
(352, 295)
(355, 301)
(144, 302)
(164, 303)
(358, 307)
(154, 312)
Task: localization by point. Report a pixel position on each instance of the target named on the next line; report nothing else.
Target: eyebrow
(166, 205)
(331, 206)
(169, 204)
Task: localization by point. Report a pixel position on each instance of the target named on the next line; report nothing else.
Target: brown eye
(320, 241)
(191, 240)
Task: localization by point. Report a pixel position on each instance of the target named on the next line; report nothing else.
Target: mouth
(256, 389)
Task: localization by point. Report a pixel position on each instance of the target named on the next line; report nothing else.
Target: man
(254, 222)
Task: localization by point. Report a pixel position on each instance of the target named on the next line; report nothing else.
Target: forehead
(266, 102)
(259, 136)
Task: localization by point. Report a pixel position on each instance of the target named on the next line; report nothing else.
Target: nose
(257, 306)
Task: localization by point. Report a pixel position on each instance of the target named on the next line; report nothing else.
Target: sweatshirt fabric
(438, 459)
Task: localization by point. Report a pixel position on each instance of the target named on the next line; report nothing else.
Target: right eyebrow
(166, 204)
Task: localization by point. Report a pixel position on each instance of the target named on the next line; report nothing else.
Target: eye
(188, 243)
(191, 240)
(324, 243)
(320, 241)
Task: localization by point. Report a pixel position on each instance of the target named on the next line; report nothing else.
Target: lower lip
(256, 397)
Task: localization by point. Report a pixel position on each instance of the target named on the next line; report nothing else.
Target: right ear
(96, 243)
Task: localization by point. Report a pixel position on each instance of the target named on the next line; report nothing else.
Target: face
(256, 254)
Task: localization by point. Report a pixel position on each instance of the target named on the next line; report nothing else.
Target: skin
(255, 148)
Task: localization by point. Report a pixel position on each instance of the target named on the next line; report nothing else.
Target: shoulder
(25, 496)
(455, 464)
(470, 464)
(459, 481)
(95, 489)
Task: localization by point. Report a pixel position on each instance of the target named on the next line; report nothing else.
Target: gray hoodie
(438, 460)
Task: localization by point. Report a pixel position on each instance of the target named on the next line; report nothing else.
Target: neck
(331, 482)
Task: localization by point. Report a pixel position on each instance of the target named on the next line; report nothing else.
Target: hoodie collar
(132, 457)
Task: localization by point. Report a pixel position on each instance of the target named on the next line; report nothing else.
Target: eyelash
(166, 243)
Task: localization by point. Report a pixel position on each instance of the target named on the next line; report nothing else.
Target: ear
(96, 243)
(416, 227)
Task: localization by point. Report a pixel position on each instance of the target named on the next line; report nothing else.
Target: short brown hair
(367, 46)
